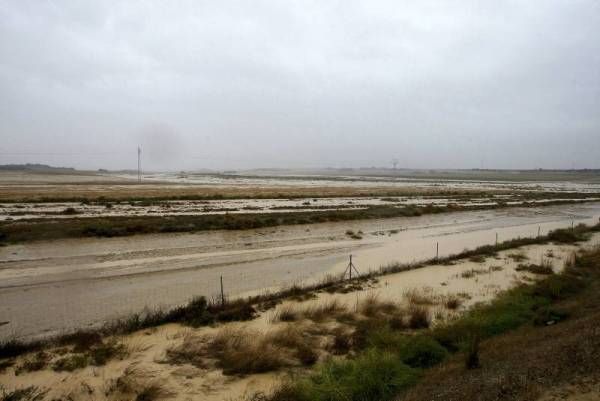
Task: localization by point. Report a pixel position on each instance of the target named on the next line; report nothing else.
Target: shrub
(71, 363)
(372, 306)
(326, 310)
(477, 258)
(544, 268)
(373, 375)
(472, 353)
(342, 342)
(30, 393)
(419, 318)
(452, 302)
(422, 352)
(286, 313)
(37, 362)
(102, 353)
(549, 315)
(566, 236)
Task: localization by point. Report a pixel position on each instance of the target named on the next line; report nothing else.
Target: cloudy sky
(240, 84)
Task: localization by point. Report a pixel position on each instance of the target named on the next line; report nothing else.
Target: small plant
(71, 363)
(70, 211)
(543, 269)
(342, 342)
(472, 273)
(286, 313)
(472, 352)
(419, 318)
(39, 361)
(420, 296)
(31, 393)
(518, 257)
(324, 311)
(477, 258)
(453, 302)
(102, 353)
(422, 352)
(153, 391)
(372, 306)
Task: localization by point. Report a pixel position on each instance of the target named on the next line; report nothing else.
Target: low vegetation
(30, 393)
(19, 231)
(385, 366)
(544, 268)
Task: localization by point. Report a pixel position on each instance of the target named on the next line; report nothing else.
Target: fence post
(437, 251)
(350, 267)
(222, 293)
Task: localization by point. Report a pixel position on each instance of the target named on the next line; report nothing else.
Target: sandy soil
(147, 349)
(50, 287)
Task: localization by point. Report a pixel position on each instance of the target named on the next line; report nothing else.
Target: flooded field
(65, 210)
(402, 182)
(35, 187)
(49, 287)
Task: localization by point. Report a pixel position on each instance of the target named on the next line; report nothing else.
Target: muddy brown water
(50, 287)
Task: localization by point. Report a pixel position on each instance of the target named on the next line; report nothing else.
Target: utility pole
(139, 164)
(395, 163)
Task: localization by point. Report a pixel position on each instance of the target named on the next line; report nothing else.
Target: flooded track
(49, 287)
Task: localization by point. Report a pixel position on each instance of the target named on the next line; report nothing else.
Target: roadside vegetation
(512, 339)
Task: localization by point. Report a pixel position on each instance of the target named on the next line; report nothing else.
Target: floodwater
(366, 181)
(54, 210)
(50, 287)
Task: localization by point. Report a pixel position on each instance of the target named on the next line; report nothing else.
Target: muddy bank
(50, 287)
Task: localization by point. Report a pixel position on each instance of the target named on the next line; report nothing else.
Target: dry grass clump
(243, 351)
(423, 296)
(472, 273)
(419, 317)
(341, 342)
(322, 311)
(518, 256)
(153, 391)
(372, 306)
(452, 302)
(545, 268)
(317, 312)
(139, 385)
(36, 362)
(286, 313)
(477, 258)
(31, 393)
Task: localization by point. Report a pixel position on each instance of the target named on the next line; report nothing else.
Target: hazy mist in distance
(239, 84)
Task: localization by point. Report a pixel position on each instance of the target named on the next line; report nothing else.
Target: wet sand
(49, 287)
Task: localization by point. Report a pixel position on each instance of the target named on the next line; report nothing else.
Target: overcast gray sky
(239, 84)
